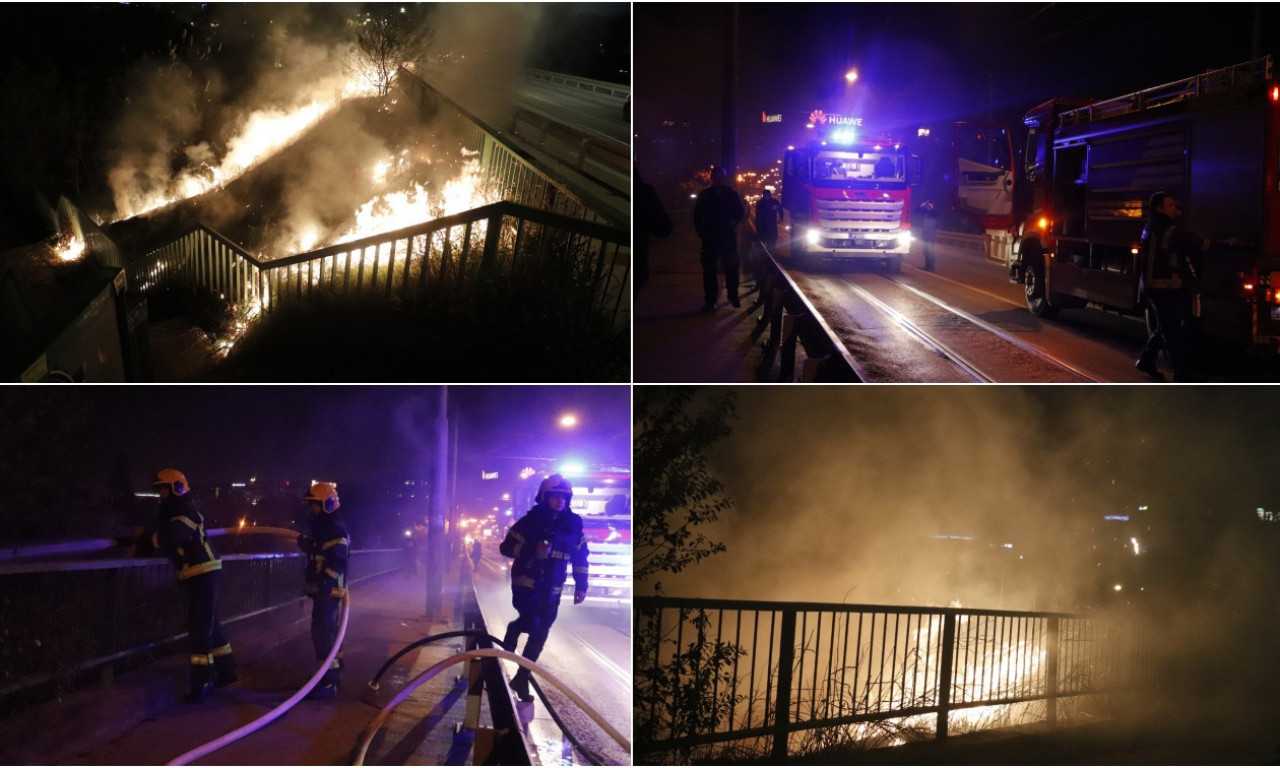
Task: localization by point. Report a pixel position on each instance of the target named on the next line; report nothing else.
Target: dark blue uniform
(181, 536)
(536, 582)
(326, 583)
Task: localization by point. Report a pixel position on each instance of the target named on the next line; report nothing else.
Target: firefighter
(543, 543)
(716, 215)
(326, 579)
(180, 535)
(1168, 257)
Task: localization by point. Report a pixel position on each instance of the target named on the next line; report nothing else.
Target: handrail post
(947, 672)
(782, 700)
(1052, 633)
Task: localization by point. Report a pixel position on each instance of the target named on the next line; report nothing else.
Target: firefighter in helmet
(181, 536)
(543, 544)
(326, 579)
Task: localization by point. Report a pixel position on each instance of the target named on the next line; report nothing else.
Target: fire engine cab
(849, 199)
(1212, 141)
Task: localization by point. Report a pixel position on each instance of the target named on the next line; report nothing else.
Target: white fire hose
(372, 729)
(266, 719)
(292, 701)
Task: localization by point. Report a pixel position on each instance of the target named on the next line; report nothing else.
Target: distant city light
(1121, 518)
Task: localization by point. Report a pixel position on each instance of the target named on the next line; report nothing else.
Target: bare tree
(385, 42)
(673, 429)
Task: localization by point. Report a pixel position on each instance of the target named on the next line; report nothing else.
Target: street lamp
(851, 76)
(568, 421)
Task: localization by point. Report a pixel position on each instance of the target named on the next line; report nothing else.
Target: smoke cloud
(189, 126)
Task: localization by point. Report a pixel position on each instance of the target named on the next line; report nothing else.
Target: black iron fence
(793, 320)
(63, 622)
(772, 679)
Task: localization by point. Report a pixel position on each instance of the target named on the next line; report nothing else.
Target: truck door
(984, 173)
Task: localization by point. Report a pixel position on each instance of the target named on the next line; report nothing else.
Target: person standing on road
(181, 536)
(476, 554)
(327, 549)
(768, 214)
(543, 543)
(716, 215)
(651, 220)
(1167, 258)
(929, 226)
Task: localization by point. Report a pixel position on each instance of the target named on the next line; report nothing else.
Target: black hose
(590, 755)
(426, 641)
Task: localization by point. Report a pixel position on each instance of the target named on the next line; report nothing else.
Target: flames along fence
(771, 679)
(540, 223)
(61, 624)
(449, 252)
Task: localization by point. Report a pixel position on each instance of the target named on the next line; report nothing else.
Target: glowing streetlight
(851, 76)
(568, 421)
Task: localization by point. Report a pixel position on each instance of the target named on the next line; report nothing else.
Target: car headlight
(904, 238)
(812, 236)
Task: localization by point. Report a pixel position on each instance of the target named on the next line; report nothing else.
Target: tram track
(904, 333)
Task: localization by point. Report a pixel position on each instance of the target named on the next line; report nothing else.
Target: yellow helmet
(176, 481)
(326, 494)
(554, 484)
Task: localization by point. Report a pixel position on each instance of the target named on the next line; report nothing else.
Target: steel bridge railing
(770, 678)
(62, 623)
(451, 252)
(505, 167)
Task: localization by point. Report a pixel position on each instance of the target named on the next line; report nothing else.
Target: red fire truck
(849, 199)
(1211, 140)
(969, 174)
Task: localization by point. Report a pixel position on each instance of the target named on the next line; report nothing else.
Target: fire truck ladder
(1213, 82)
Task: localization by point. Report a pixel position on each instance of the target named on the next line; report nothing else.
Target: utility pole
(437, 548)
(729, 126)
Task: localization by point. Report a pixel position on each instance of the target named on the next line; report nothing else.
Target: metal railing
(773, 679)
(792, 318)
(518, 176)
(451, 252)
(62, 622)
(1250, 73)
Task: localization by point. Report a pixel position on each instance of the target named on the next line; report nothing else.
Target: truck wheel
(1037, 299)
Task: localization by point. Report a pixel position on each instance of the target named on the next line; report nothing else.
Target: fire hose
(376, 724)
(288, 704)
(551, 710)
(261, 722)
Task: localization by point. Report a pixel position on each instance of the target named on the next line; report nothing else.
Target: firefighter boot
(327, 688)
(520, 685)
(201, 683)
(224, 667)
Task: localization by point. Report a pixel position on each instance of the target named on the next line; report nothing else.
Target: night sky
(916, 61)
(70, 447)
(908, 495)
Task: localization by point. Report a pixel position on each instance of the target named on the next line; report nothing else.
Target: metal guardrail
(792, 318)
(61, 622)
(510, 747)
(1214, 81)
(520, 177)
(768, 676)
(613, 90)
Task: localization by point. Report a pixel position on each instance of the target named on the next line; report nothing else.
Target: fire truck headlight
(812, 236)
(904, 239)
